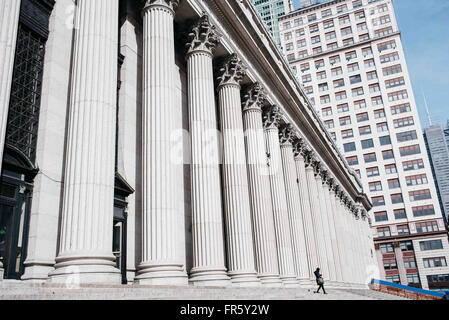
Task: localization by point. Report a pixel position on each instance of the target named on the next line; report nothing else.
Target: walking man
(319, 280)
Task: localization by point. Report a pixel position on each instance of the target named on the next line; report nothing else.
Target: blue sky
(424, 25)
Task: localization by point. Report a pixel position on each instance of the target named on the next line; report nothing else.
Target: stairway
(16, 290)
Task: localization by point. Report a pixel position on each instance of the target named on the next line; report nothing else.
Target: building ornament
(286, 134)
(203, 36)
(272, 117)
(231, 71)
(253, 97)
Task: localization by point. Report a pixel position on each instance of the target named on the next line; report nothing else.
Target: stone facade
(186, 153)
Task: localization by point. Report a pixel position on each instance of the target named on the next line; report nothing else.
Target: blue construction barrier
(437, 294)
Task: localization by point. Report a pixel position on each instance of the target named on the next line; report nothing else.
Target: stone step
(10, 290)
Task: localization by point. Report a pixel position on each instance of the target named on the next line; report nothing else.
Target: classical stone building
(166, 142)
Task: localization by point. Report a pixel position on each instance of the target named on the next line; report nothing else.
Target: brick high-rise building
(349, 56)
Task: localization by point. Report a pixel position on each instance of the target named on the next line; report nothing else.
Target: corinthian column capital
(272, 117)
(172, 5)
(231, 71)
(203, 36)
(286, 134)
(253, 97)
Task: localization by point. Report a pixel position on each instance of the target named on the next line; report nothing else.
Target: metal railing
(406, 291)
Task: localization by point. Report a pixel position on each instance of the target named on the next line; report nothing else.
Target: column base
(244, 279)
(270, 280)
(37, 271)
(161, 274)
(289, 282)
(75, 270)
(209, 277)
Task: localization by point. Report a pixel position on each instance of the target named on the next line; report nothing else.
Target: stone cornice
(203, 37)
(231, 71)
(253, 97)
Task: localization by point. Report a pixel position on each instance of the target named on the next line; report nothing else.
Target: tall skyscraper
(271, 11)
(349, 56)
(437, 143)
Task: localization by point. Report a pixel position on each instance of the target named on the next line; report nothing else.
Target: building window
(357, 91)
(378, 201)
(393, 184)
(370, 157)
(403, 229)
(403, 122)
(387, 154)
(345, 121)
(372, 172)
(366, 144)
(364, 130)
(352, 161)
(394, 82)
(407, 136)
(333, 60)
(349, 147)
(390, 169)
(410, 150)
(435, 262)
(329, 124)
(402, 108)
(369, 63)
(429, 226)
(393, 279)
(409, 263)
(416, 180)
(400, 214)
(389, 57)
(351, 68)
(413, 279)
(337, 71)
(386, 140)
(321, 75)
(377, 101)
(431, 245)
(361, 117)
(339, 83)
(359, 104)
(438, 281)
(399, 95)
(326, 112)
(421, 211)
(413, 165)
(381, 127)
(343, 108)
(386, 248)
(419, 195)
(345, 134)
(325, 99)
(392, 70)
(371, 75)
(375, 186)
(406, 245)
(383, 232)
(397, 198)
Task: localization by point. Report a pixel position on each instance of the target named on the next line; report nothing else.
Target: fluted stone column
(293, 205)
(331, 223)
(9, 23)
(337, 229)
(303, 188)
(207, 215)
(315, 210)
(239, 237)
(85, 251)
(162, 231)
(325, 225)
(272, 119)
(259, 188)
(344, 232)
